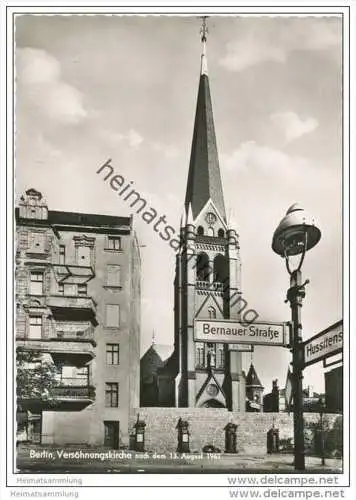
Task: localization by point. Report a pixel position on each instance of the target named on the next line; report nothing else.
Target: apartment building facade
(78, 304)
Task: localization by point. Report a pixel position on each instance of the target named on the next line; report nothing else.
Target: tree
(36, 377)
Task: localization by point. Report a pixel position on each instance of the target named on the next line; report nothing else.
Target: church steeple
(207, 283)
(204, 181)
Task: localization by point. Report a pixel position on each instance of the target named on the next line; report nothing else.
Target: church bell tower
(207, 279)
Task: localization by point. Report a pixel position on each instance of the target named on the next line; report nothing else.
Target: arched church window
(200, 231)
(220, 357)
(212, 312)
(221, 269)
(211, 231)
(199, 354)
(203, 267)
(221, 233)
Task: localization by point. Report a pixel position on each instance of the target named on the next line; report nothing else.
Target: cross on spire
(203, 32)
(204, 28)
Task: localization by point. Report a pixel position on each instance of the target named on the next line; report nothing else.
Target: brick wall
(206, 426)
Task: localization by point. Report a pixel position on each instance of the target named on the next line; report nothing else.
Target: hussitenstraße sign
(326, 343)
(230, 331)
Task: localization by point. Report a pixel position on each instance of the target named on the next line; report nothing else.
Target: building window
(212, 312)
(221, 233)
(221, 269)
(73, 376)
(112, 394)
(112, 354)
(62, 254)
(220, 357)
(200, 231)
(35, 329)
(203, 267)
(61, 288)
(199, 353)
(113, 275)
(114, 243)
(36, 283)
(112, 315)
(82, 289)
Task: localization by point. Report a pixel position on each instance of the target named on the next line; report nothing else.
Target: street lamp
(295, 235)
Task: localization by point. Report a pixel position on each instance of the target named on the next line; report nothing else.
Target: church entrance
(212, 403)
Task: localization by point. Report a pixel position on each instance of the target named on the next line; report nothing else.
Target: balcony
(73, 274)
(73, 394)
(72, 307)
(74, 347)
(86, 335)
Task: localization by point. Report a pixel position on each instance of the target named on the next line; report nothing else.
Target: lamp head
(296, 233)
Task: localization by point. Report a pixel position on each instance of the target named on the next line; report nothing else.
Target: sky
(90, 88)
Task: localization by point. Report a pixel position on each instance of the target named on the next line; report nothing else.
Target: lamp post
(295, 234)
(322, 437)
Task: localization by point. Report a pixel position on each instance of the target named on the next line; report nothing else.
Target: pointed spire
(190, 218)
(181, 219)
(153, 338)
(204, 181)
(231, 220)
(252, 379)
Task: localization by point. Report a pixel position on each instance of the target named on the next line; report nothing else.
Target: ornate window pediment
(84, 241)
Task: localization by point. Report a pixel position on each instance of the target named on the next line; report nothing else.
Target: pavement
(41, 459)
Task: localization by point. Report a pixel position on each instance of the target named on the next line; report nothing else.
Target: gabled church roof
(161, 352)
(204, 181)
(252, 379)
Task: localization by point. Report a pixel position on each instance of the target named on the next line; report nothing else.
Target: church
(207, 285)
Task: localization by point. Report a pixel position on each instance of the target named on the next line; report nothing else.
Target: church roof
(252, 378)
(204, 181)
(161, 352)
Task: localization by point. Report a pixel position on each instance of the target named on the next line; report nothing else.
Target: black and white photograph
(179, 210)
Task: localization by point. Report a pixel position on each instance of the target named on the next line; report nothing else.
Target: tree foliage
(36, 377)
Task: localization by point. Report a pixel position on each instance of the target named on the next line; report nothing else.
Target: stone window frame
(40, 247)
(84, 241)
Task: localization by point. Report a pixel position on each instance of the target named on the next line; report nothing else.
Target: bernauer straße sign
(230, 331)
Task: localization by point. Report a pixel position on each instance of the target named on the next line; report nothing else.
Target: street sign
(233, 332)
(240, 347)
(326, 343)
